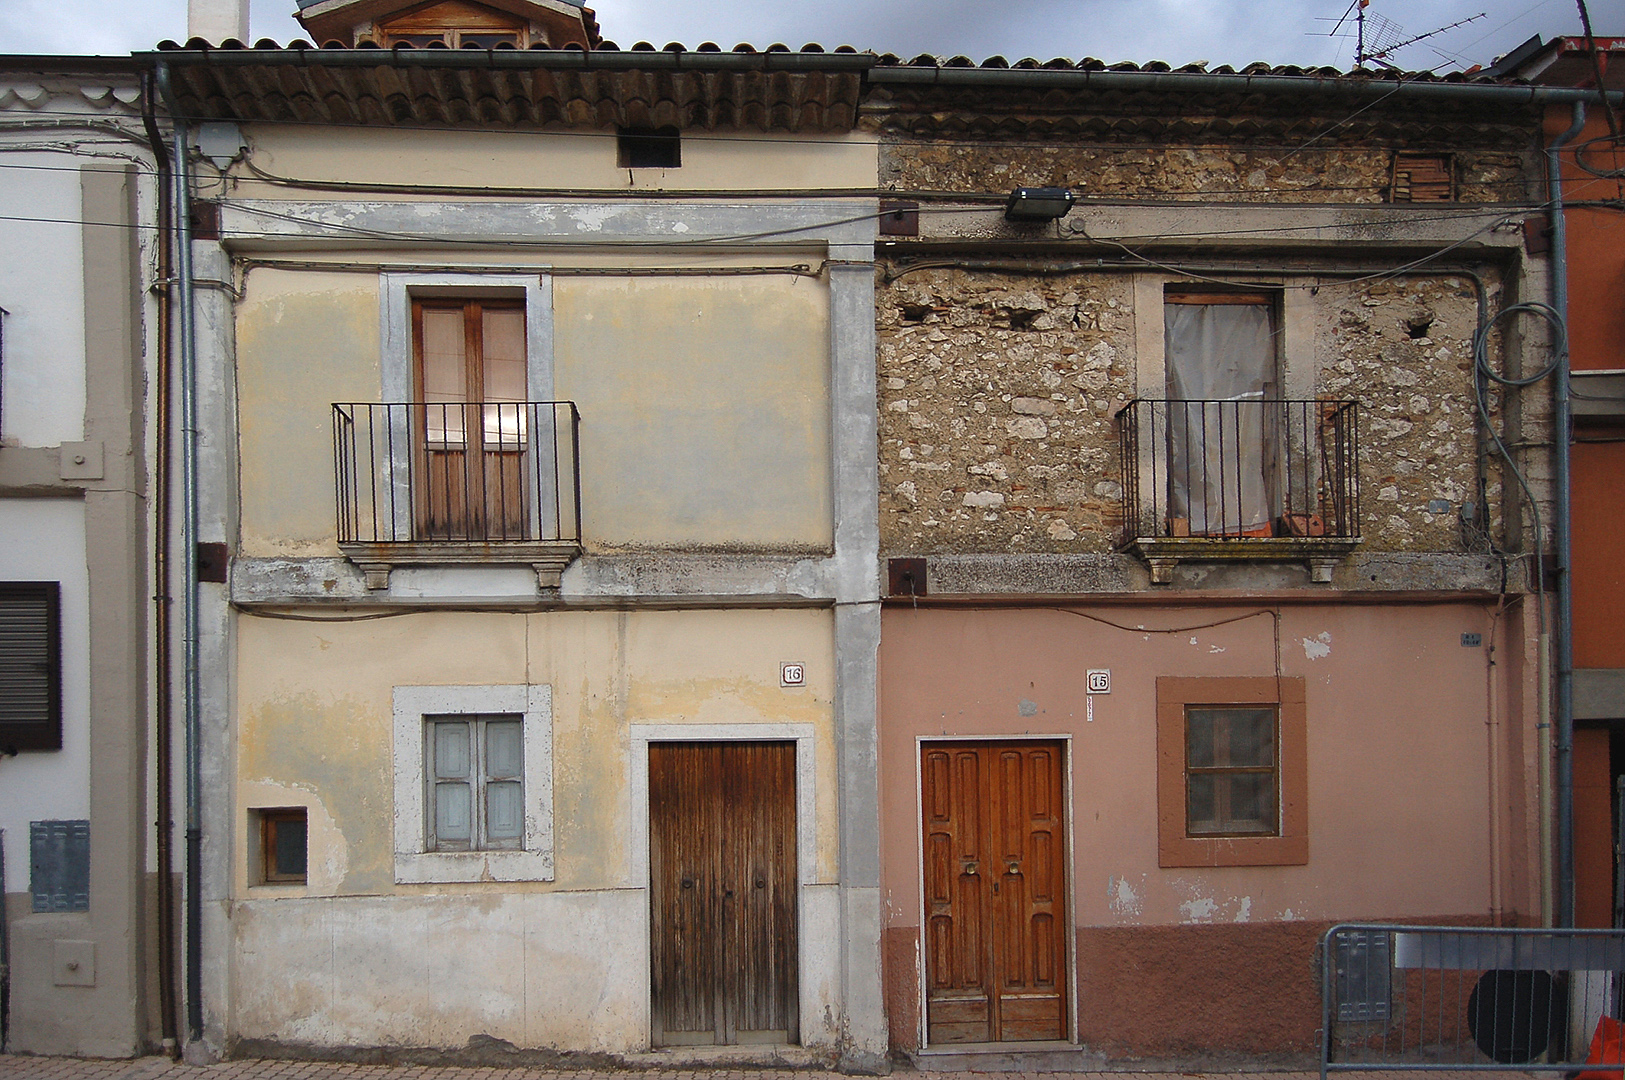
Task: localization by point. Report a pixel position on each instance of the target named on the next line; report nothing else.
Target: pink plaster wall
(1402, 816)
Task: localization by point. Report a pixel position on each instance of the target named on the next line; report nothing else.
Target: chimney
(216, 20)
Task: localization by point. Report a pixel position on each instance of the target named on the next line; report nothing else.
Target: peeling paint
(1319, 646)
(1202, 909)
(1122, 897)
(1027, 708)
(1244, 912)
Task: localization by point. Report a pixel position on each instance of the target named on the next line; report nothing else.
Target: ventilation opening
(650, 148)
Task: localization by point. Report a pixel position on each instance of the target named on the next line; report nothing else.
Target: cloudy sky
(1220, 31)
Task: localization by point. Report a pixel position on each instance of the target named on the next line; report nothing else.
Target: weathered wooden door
(995, 892)
(722, 883)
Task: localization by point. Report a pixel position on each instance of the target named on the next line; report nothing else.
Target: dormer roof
(554, 23)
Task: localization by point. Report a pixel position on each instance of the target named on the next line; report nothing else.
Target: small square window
(284, 846)
(1231, 783)
(1232, 765)
(650, 148)
(475, 769)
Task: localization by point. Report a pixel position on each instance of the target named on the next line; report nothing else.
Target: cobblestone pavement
(159, 1068)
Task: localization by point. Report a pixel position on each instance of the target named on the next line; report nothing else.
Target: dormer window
(454, 24)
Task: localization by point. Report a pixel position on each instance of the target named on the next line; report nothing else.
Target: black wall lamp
(1038, 204)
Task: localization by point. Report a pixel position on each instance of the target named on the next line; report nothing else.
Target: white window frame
(412, 706)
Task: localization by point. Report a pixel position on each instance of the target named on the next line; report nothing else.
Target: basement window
(1422, 178)
(649, 148)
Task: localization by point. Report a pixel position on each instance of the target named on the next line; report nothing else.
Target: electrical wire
(1484, 371)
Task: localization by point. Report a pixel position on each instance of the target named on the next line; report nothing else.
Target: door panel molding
(1039, 870)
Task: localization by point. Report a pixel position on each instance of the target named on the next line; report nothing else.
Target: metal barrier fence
(1472, 998)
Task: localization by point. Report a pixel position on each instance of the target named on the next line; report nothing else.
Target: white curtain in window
(1221, 368)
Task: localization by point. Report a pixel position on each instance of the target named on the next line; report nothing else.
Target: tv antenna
(1377, 38)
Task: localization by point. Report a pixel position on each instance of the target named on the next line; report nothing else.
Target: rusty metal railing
(1398, 998)
(457, 473)
(1240, 468)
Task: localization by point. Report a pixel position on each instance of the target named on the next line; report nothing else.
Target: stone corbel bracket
(547, 557)
(1163, 553)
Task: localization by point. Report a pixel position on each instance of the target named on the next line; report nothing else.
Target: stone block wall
(1284, 174)
(998, 396)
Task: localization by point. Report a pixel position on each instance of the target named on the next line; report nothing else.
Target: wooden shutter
(30, 665)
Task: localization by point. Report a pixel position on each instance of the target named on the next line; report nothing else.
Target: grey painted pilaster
(111, 1018)
(857, 648)
(217, 522)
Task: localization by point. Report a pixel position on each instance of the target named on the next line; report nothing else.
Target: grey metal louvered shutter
(30, 665)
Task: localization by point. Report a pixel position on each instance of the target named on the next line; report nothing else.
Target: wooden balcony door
(995, 892)
(722, 884)
(472, 425)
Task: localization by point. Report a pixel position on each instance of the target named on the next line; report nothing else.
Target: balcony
(458, 483)
(1241, 479)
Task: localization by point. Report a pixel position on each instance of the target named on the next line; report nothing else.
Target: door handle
(970, 868)
(1015, 868)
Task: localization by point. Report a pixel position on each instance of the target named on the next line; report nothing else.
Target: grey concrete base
(1599, 693)
(1008, 1057)
(1097, 574)
(484, 1051)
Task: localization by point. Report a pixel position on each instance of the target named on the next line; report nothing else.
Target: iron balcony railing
(1240, 468)
(457, 473)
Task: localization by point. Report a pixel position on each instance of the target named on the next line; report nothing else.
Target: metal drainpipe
(163, 711)
(189, 540)
(1562, 422)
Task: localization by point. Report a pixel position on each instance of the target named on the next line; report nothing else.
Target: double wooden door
(722, 881)
(995, 892)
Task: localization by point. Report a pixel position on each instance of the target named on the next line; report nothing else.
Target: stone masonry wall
(1327, 175)
(998, 395)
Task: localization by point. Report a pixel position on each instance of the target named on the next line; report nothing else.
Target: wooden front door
(722, 884)
(995, 892)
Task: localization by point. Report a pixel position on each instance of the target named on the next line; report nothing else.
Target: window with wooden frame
(475, 769)
(472, 425)
(1232, 762)
(454, 24)
(30, 666)
(1232, 784)
(1223, 367)
(284, 846)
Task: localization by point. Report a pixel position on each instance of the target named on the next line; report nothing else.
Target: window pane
(289, 846)
(1199, 738)
(1252, 736)
(1252, 802)
(452, 807)
(444, 378)
(451, 750)
(503, 749)
(504, 339)
(1201, 812)
(504, 810)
